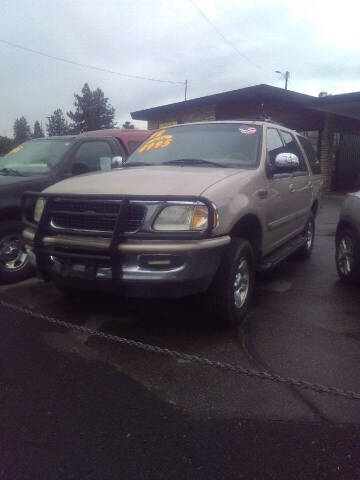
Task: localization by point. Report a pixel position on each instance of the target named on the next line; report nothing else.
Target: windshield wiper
(192, 161)
(137, 164)
(11, 171)
(178, 161)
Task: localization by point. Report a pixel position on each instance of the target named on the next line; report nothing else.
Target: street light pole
(285, 76)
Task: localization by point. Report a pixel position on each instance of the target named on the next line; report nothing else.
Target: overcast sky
(317, 41)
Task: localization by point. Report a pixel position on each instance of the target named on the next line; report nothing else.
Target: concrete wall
(201, 114)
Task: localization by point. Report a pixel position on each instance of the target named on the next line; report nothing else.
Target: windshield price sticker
(16, 149)
(248, 130)
(157, 140)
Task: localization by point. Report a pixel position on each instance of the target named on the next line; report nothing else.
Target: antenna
(262, 114)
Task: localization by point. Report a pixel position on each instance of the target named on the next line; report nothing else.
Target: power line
(226, 40)
(85, 65)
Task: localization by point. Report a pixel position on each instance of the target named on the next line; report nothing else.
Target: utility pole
(186, 88)
(285, 76)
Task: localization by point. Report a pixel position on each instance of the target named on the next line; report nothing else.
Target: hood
(154, 180)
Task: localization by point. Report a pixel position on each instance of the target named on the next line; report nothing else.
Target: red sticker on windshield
(248, 131)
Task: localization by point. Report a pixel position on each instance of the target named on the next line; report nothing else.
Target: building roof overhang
(259, 92)
(344, 106)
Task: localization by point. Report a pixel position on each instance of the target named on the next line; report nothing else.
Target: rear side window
(311, 155)
(291, 146)
(91, 156)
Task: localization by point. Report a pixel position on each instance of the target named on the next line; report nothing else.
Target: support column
(326, 143)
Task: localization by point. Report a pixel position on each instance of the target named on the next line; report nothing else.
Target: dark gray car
(348, 239)
(40, 162)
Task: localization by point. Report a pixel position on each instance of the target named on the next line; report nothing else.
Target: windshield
(219, 144)
(34, 157)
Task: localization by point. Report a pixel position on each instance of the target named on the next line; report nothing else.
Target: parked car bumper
(143, 268)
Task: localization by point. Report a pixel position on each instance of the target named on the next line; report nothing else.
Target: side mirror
(116, 162)
(287, 162)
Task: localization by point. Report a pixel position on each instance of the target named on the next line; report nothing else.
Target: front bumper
(143, 268)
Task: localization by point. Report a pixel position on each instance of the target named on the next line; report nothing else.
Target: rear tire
(347, 256)
(231, 291)
(304, 252)
(14, 261)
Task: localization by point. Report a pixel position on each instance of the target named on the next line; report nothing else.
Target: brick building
(332, 122)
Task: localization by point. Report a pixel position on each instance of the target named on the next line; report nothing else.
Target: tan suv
(196, 208)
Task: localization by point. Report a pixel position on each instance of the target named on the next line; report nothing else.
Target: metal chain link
(293, 382)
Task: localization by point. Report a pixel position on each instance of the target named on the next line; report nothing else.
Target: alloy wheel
(309, 234)
(345, 255)
(12, 255)
(241, 283)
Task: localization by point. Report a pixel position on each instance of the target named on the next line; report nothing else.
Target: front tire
(14, 261)
(347, 256)
(230, 294)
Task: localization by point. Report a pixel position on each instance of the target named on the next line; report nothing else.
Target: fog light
(160, 262)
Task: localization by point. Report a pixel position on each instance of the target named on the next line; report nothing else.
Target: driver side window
(91, 157)
(274, 144)
(291, 146)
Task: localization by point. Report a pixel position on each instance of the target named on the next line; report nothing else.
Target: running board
(281, 253)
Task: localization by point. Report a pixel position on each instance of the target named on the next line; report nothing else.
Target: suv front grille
(111, 207)
(86, 222)
(94, 215)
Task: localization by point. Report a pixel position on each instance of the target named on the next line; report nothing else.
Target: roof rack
(265, 117)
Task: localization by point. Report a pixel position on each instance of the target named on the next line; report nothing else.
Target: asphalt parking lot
(79, 406)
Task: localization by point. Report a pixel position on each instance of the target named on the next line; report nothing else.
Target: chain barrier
(292, 382)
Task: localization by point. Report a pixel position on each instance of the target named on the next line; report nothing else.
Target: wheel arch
(10, 213)
(249, 227)
(345, 224)
(315, 207)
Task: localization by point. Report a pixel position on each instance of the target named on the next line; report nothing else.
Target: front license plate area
(84, 270)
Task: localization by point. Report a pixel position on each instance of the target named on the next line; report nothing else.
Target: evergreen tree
(128, 125)
(38, 131)
(6, 145)
(22, 131)
(57, 125)
(93, 112)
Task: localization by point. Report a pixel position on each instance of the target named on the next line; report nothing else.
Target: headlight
(182, 218)
(39, 209)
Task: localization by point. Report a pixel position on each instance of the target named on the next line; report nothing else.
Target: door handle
(292, 188)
